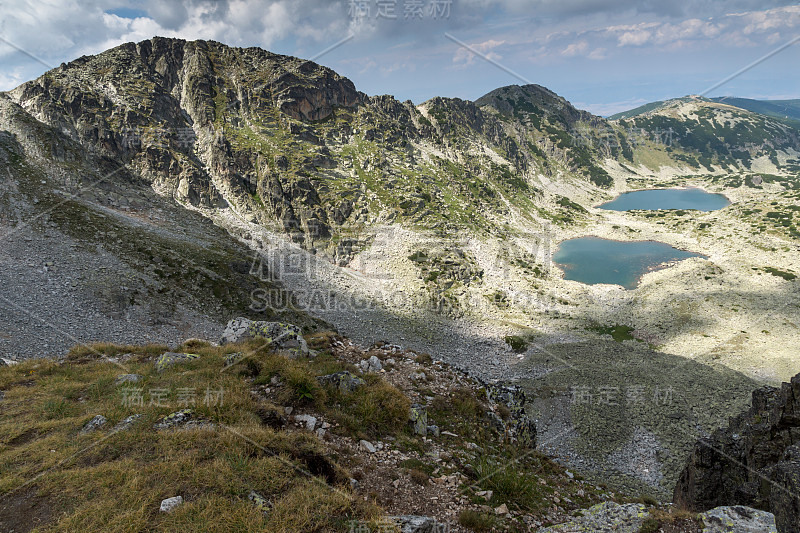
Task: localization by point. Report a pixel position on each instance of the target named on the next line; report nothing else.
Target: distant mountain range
(780, 109)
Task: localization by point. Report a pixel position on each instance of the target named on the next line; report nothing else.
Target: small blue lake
(653, 199)
(593, 260)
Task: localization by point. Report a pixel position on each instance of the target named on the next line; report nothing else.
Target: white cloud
(464, 57)
(575, 49)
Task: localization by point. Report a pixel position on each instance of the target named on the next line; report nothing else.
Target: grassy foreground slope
(244, 463)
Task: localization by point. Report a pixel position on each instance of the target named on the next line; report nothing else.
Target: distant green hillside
(784, 109)
(637, 111)
(781, 109)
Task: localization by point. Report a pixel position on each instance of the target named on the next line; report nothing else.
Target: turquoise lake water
(667, 199)
(593, 260)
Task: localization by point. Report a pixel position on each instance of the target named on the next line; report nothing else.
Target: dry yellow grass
(105, 481)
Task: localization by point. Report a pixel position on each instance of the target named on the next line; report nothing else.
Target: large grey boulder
(280, 335)
(737, 519)
(629, 518)
(606, 516)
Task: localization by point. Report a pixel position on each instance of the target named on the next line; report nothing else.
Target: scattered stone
(309, 421)
(128, 378)
(281, 335)
(320, 433)
(169, 504)
(485, 494)
(739, 519)
(95, 423)
(501, 510)
(418, 418)
(260, 502)
(122, 425)
(169, 359)
(373, 364)
(367, 445)
(344, 381)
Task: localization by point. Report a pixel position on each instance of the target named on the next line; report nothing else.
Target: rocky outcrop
(280, 335)
(737, 518)
(518, 425)
(168, 359)
(755, 461)
(635, 517)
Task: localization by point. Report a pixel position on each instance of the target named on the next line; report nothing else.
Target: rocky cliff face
(755, 461)
(293, 145)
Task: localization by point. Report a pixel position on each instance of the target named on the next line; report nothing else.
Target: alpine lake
(593, 260)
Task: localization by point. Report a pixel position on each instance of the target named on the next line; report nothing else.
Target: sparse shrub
(517, 343)
(476, 521)
(418, 476)
(53, 409)
(424, 358)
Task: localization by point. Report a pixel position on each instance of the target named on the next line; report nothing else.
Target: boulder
(737, 519)
(184, 419)
(373, 364)
(280, 335)
(310, 422)
(606, 516)
(418, 418)
(260, 502)
(417, 524)
(168, 359)
(95, 423)
(126, 423)
(344, 381)
(753, 462)
(169, 504)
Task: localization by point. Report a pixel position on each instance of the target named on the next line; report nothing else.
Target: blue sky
(602, 55)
